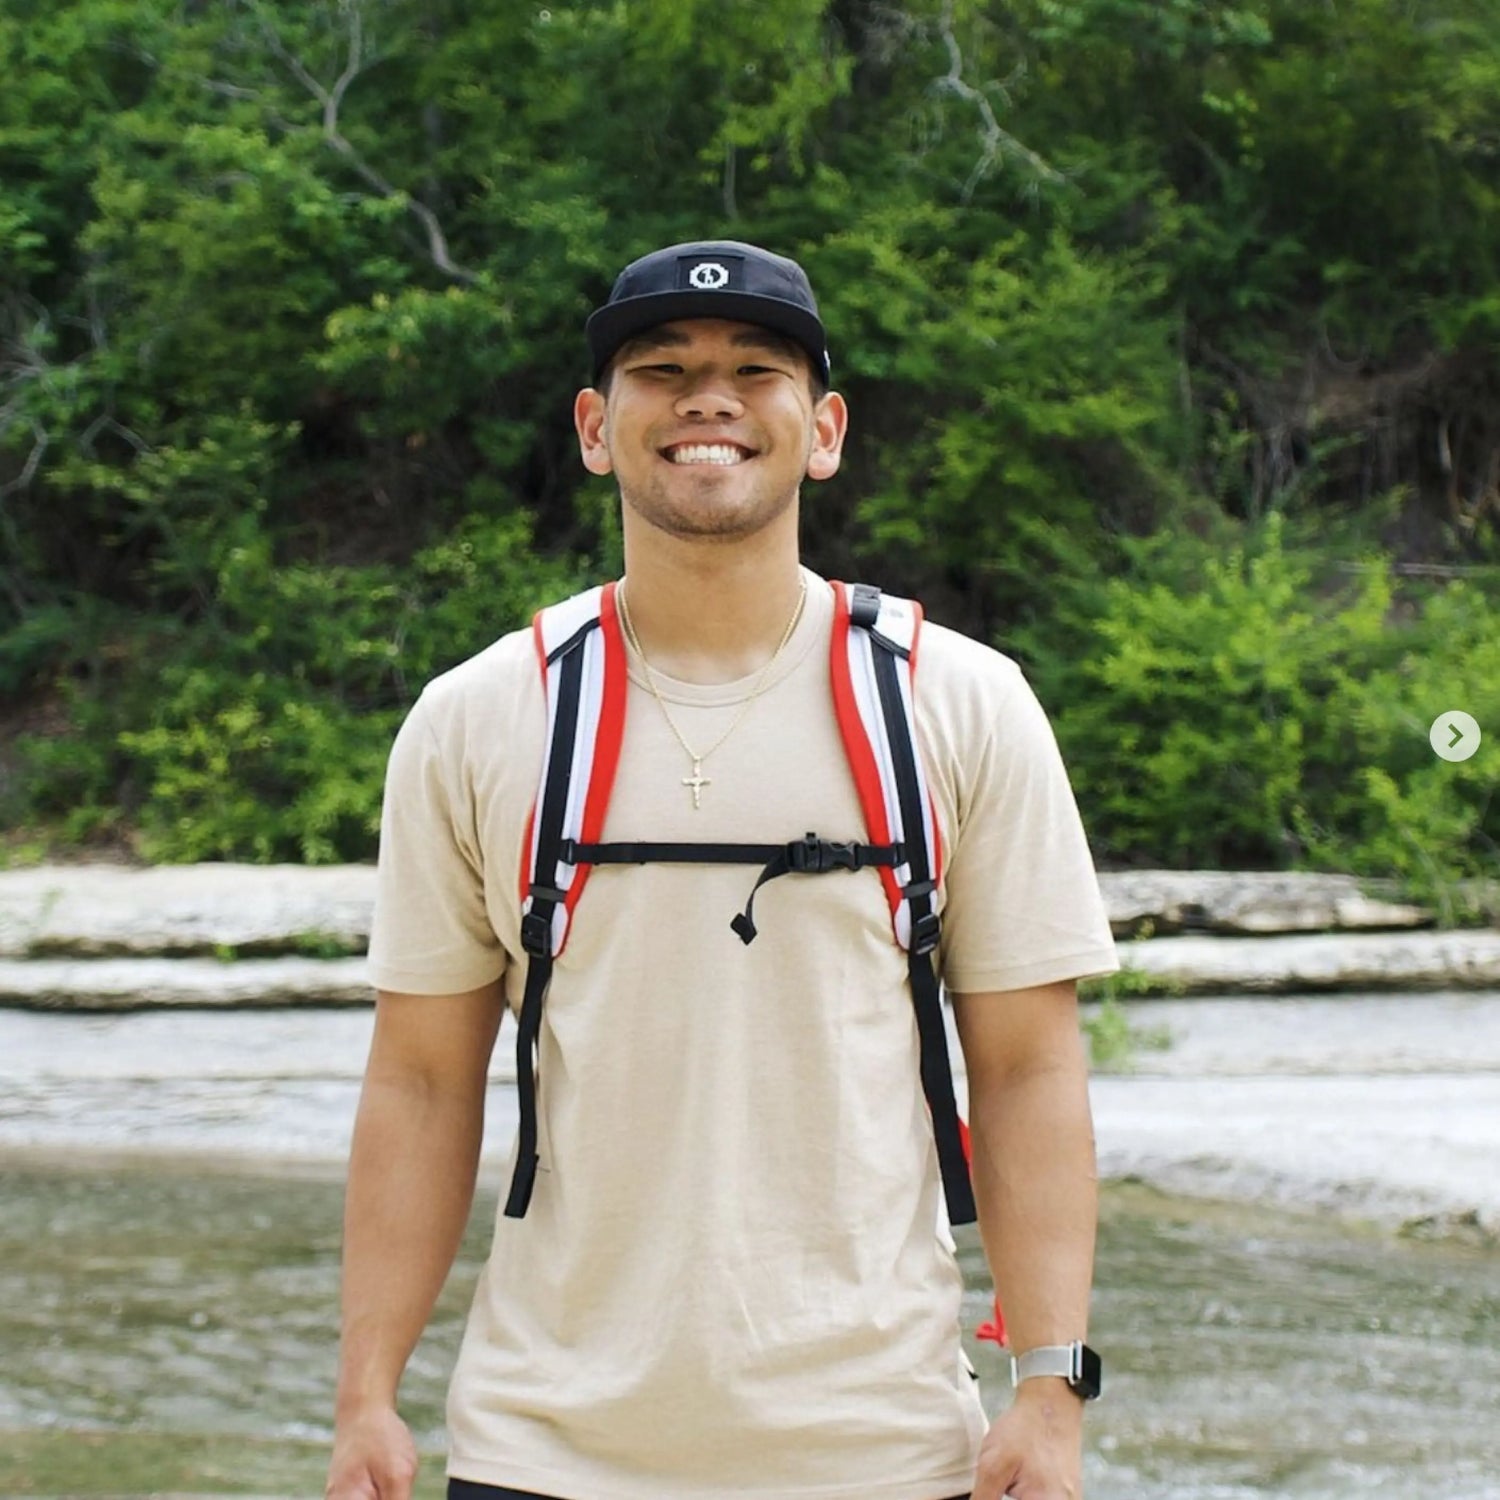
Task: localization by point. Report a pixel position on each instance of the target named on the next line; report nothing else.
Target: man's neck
(710, 613)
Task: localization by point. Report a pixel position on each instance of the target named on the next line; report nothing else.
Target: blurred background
(1171, 333)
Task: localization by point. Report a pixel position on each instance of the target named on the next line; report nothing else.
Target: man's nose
(710, 393)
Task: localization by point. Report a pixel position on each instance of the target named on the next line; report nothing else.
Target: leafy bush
(264, 737)
(1248, 704)
(291, 307)
(1401, 809)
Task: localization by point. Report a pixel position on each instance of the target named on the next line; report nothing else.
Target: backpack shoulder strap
(873, 669)
(581, 654)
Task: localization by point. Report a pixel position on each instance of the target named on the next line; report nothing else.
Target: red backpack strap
(879, 735)
(873, 668)
(581, 653)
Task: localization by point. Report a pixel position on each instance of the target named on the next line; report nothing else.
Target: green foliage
(1243, 703)
(256, 770)
(1030, 337)
(1405, 811)
(263, 736)
(1115, 1042)
(1115, 1039)
(291, 301)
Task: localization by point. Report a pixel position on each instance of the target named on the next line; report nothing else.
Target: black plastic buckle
(802, 855)
(842, 856)
(864, 606)
(536, 934)
(814, 856)
(536, 925)
(925, 931)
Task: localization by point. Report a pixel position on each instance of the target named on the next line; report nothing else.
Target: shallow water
(173, 1332)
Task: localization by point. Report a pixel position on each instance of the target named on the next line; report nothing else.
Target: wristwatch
(1076, 1363)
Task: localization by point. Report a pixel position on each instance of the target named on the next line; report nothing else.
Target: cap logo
(708, 276)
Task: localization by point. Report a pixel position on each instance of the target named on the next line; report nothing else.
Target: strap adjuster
(536, 933)
(925, 932)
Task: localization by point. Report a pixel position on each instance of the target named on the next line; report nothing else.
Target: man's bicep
(437, 1042)
(431, 930)
(1006, 1033)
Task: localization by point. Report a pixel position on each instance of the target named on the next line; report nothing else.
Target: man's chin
(714, 518)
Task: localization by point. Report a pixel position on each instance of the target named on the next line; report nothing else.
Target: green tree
(290, 313)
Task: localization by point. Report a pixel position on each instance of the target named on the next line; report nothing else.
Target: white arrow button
(1454, 735)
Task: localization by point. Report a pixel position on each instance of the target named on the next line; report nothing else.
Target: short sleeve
(1023, 904)
(431, 934)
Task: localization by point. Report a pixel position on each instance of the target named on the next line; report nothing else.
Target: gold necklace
(697, 781)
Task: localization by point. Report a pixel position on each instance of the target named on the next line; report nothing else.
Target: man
(733, 1277)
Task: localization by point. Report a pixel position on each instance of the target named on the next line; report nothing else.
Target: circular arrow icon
(1455, 735)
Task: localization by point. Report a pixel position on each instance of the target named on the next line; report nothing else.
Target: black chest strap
(558, 860)
(810, 855)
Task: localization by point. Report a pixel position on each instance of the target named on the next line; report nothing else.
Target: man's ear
(588, 420)
(830, 424)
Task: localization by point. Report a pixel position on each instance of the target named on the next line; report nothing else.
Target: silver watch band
(1065, 1360)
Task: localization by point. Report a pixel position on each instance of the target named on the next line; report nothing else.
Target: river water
(171, 1332)
(169, 1227)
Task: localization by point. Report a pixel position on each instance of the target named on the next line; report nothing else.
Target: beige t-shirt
(735, 1276)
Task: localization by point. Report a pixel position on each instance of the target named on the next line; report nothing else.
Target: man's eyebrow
(765, 338)
(654, 338)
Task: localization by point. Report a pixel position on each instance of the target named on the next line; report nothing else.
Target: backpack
(581, 652)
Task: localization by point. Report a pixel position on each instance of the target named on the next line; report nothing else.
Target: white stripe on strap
(559, 624)
(562, 621)
(898, 622)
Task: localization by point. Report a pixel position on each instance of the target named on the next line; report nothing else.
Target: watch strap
(1076, 1363)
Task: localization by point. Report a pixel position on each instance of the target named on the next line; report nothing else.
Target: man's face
(709, 427)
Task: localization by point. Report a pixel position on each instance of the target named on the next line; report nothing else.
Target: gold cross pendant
(697, 781)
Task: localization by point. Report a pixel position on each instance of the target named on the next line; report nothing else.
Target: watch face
(1090, 1379)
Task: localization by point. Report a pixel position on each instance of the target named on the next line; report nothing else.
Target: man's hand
(1034, 1451)
(374, 1458)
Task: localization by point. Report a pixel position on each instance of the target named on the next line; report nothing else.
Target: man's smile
(719, 453)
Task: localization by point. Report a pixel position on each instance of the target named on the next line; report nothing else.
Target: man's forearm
(1036, 1188)
(411, 1183)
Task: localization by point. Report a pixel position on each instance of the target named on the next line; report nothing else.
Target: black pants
(467, 1489)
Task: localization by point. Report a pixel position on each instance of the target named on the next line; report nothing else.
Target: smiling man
(770, 440)
(724, 1266)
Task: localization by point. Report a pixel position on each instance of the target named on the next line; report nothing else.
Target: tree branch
(229, 90)
(332, 101)
(20, 362)
(108, 423)
(351, 71)
(22, 481)
(998, 143)
(293, 63)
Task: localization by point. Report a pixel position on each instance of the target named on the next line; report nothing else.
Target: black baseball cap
(709, 279)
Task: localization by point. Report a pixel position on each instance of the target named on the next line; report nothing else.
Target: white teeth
(707, 453)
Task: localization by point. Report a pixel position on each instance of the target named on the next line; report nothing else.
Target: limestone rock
(134, 983)
(106, 910)
(1367, 960)
(1247, 902)
(1349, 1035)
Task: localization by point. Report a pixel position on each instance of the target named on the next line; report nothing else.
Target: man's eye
(757, 370)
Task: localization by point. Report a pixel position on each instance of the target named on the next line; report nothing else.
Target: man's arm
(412, 1168)
(1036, 1189)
